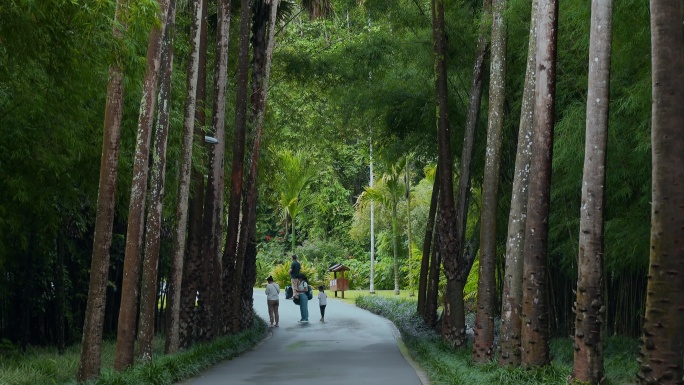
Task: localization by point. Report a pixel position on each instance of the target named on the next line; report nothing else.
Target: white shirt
(322, 298)
(272, 291)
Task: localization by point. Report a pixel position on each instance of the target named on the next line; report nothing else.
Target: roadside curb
(422, 376)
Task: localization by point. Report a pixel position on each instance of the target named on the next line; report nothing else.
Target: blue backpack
(309, 294)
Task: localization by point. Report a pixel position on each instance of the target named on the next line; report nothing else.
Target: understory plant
(446, 365)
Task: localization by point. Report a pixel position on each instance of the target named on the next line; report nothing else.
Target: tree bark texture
(192, 267)
(432, 294)
(590, 306)
(91, 345)
(483, 344)
(427, 247)
(395, 244)
(211, 292)
(263, 54)
(662, 343)
(136, 212)
(407, 182)
(453, 322)
(232, 277)
(511, 302)
(535, 330)
(149, 285)
(180, 231)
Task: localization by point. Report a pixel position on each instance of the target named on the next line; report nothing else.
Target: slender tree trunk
(91, 345)
(60, 296)
(511, 306)
(395, 246)
(453, 330)
(535, 331)
(483, 345)
(431, 297)
(456, 267)
(213, 208)
(662, 343)
(247, 243)
(427, 246)
(292, 238)
(134, 234)
(27, 266)
(148, 288)
(179, 237)
(232, 278)
(408, 225)
(232, 275)
(192, 266)
(590, 305)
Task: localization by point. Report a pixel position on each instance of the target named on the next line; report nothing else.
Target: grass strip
(445, 365)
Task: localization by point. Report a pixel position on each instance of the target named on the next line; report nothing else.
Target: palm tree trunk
(452, 329)
(432, 294)
(427, 246)
(511, 306)
(408, 227)
(148, 288)
(483, 345)
(134, 234)
(590, 309)
(395, 247)
(231, 264)
(91, 345)
(535, 331)
(211, 288)
(247, 243)
(663, 337)
(179, 237)
(192, 266)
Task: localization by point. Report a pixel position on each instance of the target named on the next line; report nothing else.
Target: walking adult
(302, 289)
(273, 300)
(295, 269)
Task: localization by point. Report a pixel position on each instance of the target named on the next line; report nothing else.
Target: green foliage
(281, 273)
(323, 252)
(44, 366)
(445, 365)
(171, 369)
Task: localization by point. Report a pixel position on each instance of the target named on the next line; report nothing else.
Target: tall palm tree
(511, 301)
(179, 235)
(535, 331)
(136, 218)
(663, 336)
(387, 193)
(295, 176)
(483, 344)
(91, 347)
(589, 320)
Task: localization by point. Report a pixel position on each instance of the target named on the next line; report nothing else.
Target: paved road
(352, 346)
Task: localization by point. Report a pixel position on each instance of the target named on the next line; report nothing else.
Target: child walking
(322, 301)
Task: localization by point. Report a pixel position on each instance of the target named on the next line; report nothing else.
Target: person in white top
(272, 298)
(322, 301)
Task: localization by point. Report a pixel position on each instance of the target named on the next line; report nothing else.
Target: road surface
(352, 346)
